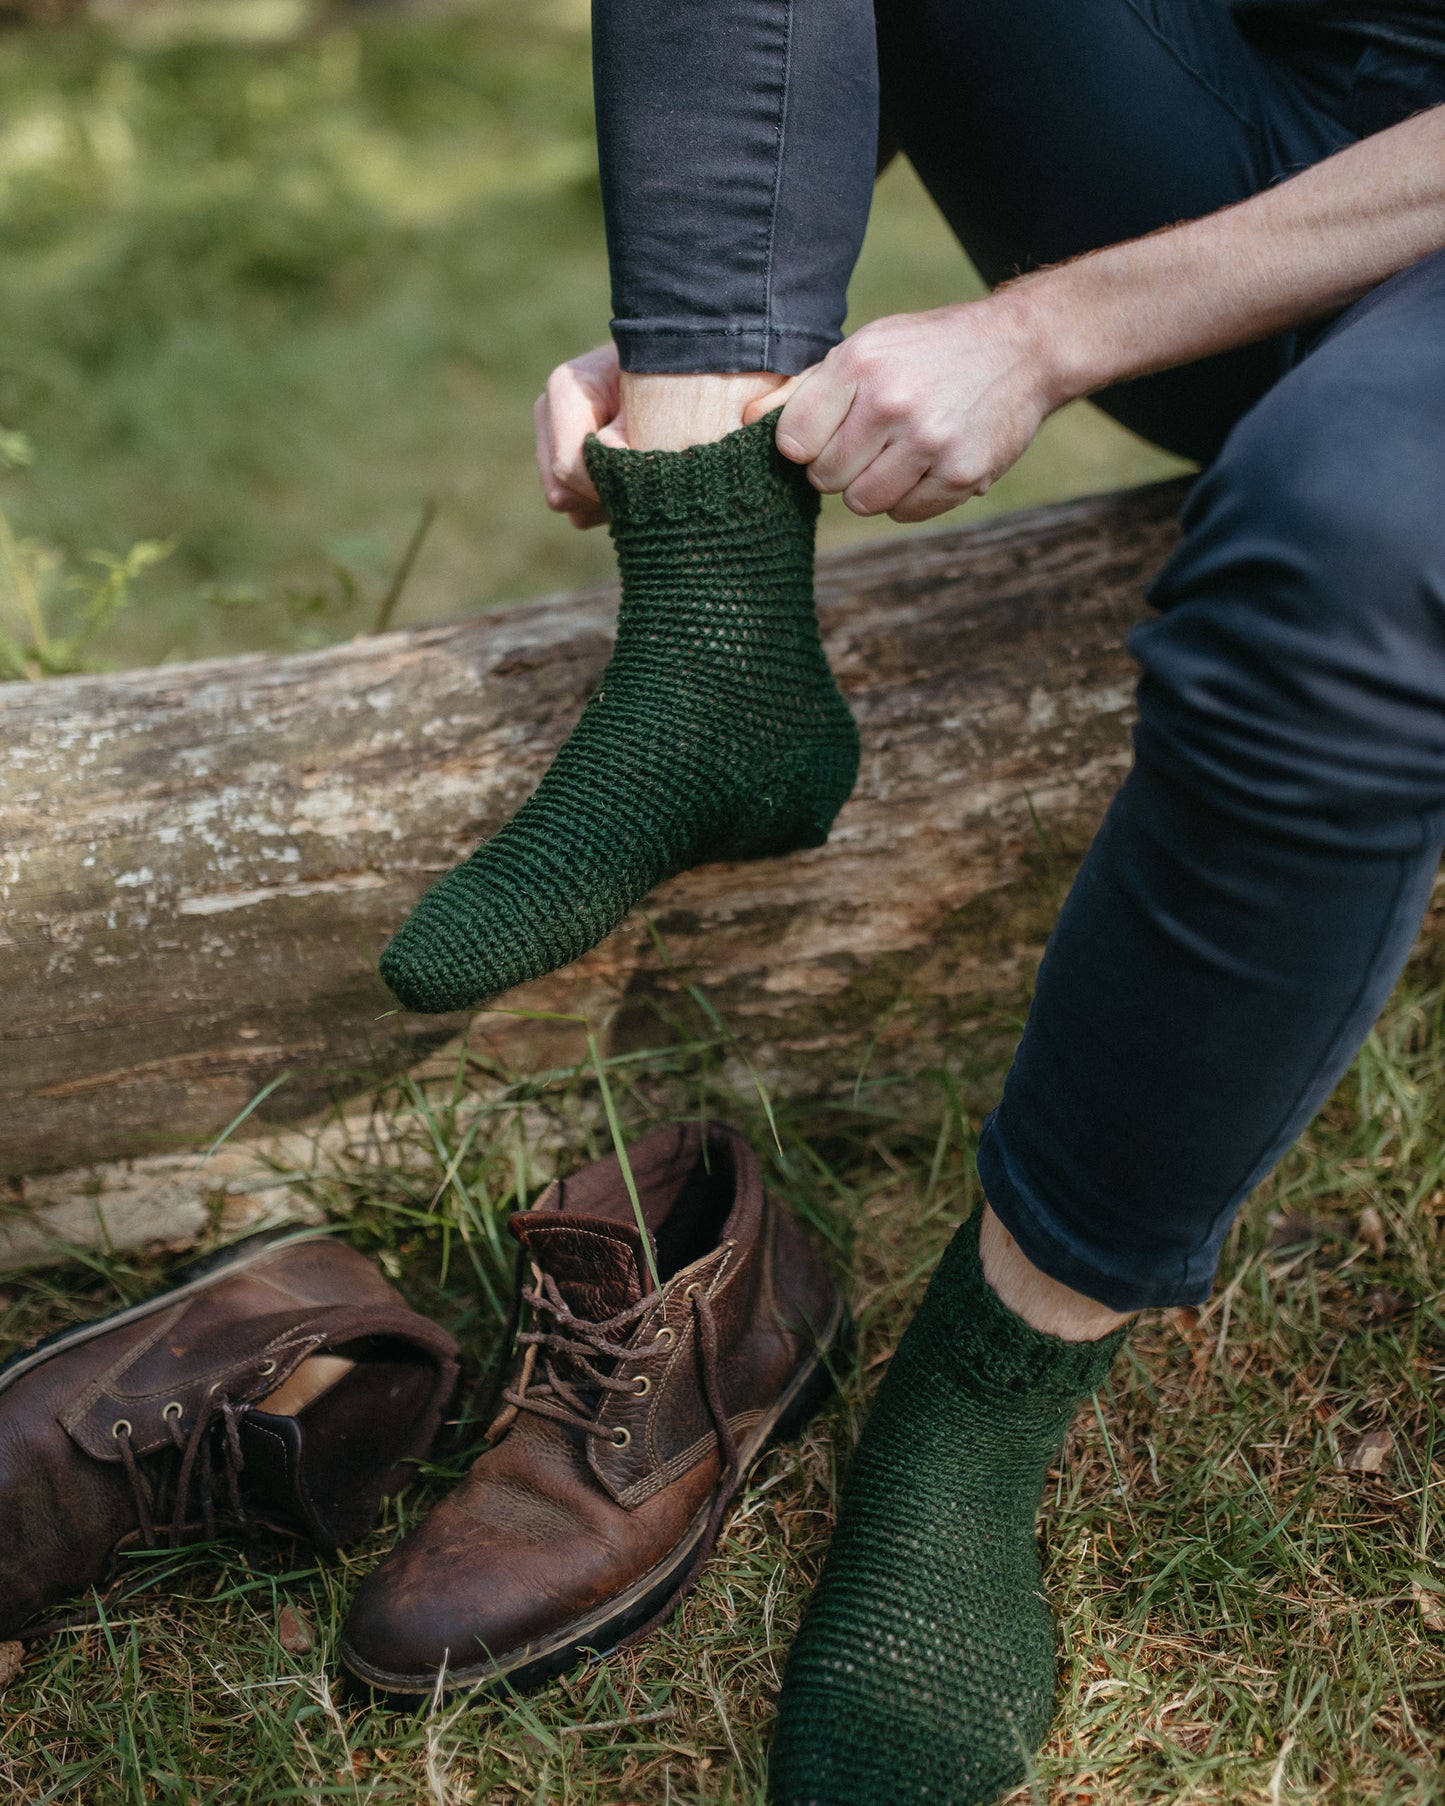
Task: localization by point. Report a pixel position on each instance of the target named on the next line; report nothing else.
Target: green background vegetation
(267, 287)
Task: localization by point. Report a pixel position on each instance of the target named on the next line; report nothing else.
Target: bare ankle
(1043, 1303)
(670, 413)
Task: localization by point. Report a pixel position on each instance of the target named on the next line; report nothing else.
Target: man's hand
(916, 413)
(581, 397)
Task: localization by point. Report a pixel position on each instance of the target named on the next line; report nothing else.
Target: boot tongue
(599, 1266)
(273, 1481)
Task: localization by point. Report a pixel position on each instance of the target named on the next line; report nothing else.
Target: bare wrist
(1059, 333)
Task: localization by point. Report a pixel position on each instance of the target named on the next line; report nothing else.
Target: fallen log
(199, 864)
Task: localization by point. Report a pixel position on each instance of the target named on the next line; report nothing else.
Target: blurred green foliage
(62, 612)
(262, 297)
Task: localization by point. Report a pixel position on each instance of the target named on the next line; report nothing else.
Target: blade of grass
(620, 1146)
(728, 1036)
(387, 607)
(614, 1124)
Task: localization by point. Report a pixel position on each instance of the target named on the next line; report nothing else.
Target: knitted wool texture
(717, 731)
(924, 1670)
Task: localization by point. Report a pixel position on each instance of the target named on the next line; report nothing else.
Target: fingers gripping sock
(717, 731)
(924, 1670)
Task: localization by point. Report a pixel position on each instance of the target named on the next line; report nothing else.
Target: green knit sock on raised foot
(717, 731)
(924, 1670)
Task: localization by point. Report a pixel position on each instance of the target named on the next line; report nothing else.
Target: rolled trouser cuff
(666, 348)
(1112, 1277)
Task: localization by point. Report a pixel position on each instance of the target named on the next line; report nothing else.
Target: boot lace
(559, 1366)
(191, 1479)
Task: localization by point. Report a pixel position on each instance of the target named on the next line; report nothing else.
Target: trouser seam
(1252, 126)
(777, 181)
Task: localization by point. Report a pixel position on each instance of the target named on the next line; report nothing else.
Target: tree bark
(199, 864)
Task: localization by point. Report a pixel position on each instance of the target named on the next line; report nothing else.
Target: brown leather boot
(281, 1381)
(632, 1416)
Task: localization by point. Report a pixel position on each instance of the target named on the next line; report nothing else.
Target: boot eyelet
(173, 1409)
(621, 1437)
(667, 1334)
(122, 1427)
(267, 1367)
(642, 1385)
(696, 1286)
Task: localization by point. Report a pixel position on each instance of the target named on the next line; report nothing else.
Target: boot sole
(650, 1599)
(196, 1277)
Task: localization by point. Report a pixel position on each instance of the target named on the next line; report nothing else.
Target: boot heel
(820, 1387)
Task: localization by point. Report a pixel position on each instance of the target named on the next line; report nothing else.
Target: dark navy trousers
(1256, 886)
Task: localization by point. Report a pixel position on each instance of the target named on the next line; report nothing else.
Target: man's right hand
(582, 396)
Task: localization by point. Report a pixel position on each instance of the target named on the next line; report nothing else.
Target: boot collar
(119, 1419)
(598, 1266)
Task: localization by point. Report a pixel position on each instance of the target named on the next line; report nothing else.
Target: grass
(268, 290)
(1241, 1613)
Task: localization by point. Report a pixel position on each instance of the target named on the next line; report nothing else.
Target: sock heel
(798, 803)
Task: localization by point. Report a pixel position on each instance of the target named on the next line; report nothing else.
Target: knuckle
(855, 364)
(955, 474)
(891, 401)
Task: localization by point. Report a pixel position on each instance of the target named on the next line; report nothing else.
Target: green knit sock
(717, 731)
(924, 1670)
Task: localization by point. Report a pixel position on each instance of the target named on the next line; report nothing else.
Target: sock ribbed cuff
(741, 474)
(1002, 1353)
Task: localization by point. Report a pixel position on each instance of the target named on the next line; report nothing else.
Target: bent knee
(1332, 482)
(1299, 657)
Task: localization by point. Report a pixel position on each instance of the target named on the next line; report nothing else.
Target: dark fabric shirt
(1414, 27)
